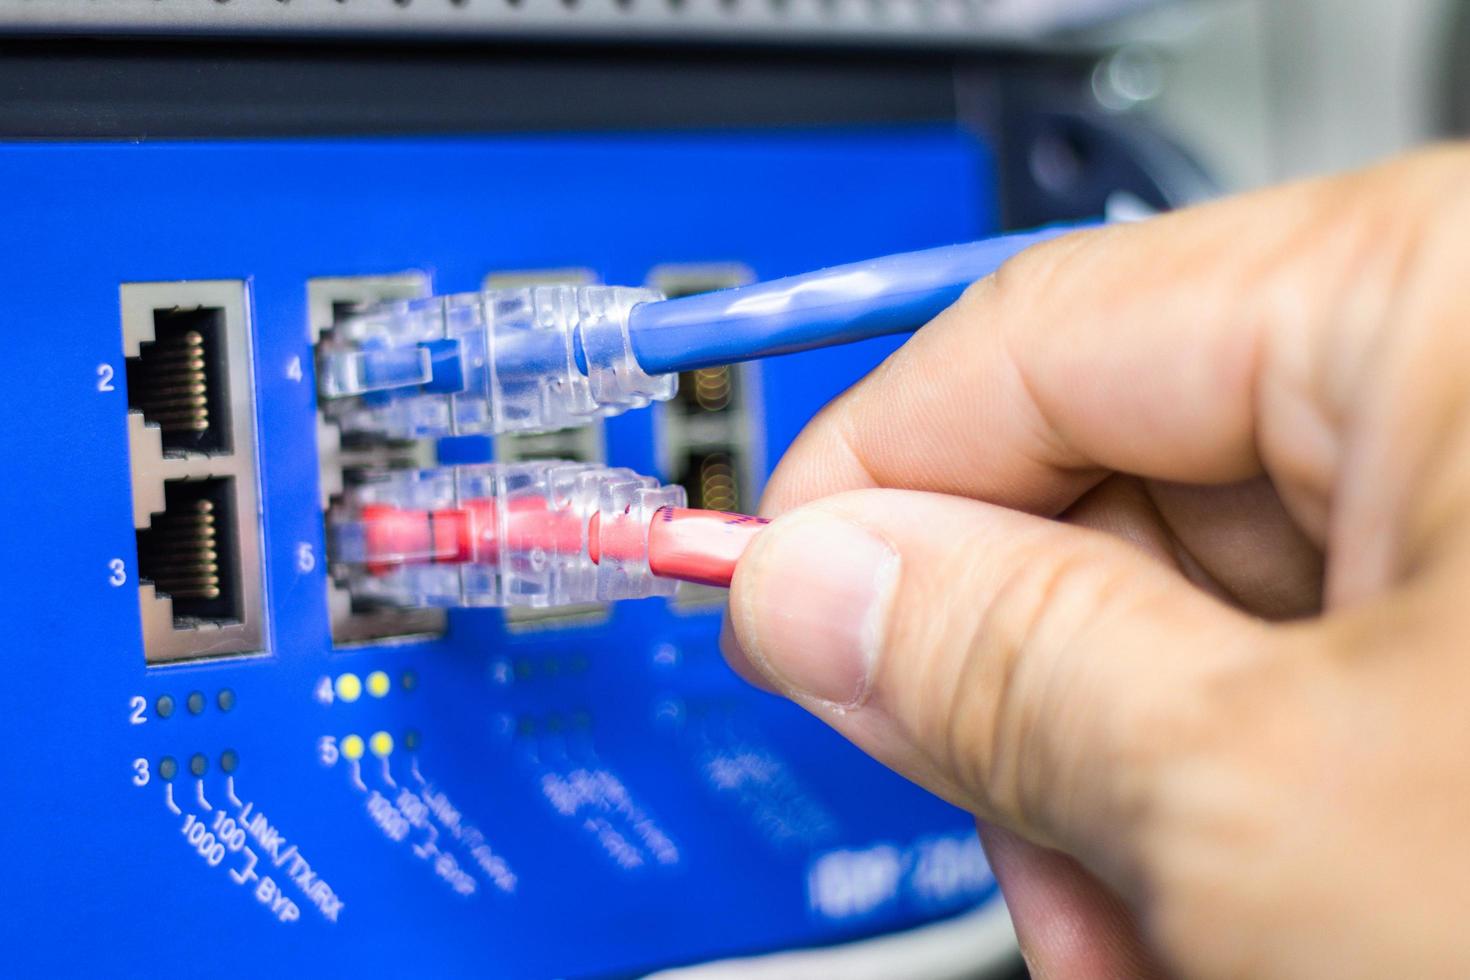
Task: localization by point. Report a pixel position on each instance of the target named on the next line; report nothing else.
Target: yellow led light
(349, 687)
(378, 683)
(352, 747)
(381, 743)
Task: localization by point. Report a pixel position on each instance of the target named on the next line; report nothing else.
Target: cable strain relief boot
(625, 511)
(616, 382)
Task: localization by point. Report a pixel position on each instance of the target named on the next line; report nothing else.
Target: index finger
(1187, 348)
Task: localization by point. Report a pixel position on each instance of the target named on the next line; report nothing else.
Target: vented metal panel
(949, 22)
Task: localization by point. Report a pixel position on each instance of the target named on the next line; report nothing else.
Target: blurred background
(1267, 91)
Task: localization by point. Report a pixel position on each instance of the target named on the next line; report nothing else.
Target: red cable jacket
(699, 546)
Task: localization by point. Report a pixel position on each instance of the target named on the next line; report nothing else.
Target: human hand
(1060, 560)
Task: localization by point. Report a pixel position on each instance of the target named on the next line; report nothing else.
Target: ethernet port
(343, 457)
(188, 553)
(179, 382)
(358, 620)
(586, 444)
(709, 390)
(712, 480)
(192, 455)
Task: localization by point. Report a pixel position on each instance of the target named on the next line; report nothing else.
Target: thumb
(1031, 672)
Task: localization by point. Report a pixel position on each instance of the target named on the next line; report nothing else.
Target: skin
(1153, 552)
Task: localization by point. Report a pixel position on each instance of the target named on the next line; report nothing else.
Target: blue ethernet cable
(890, 295)
(549, 357)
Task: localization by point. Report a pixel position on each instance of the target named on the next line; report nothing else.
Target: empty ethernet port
(712, 480)
(179, 381)
(192, 456)
(708, 391)
(188, 553)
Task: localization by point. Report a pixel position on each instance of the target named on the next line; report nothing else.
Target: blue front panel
(579, 801)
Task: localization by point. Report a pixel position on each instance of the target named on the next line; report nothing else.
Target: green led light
(225, 699)
(229, 761)
(195, 702)
(198, 764)
(164, 706)
(168, 767)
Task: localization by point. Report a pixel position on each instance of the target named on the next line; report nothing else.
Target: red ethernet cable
(684, 542)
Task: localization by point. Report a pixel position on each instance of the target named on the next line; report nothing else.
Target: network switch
(403, 791)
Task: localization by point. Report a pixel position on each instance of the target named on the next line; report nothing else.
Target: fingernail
(813, 605)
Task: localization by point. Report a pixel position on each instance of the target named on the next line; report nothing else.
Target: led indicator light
(195, 703)
(164, 706)
(352, 747)
(349, 687)
(168, 767)
(229, 761)
(381, 743)
(378, 684)
(225, 699)
(198, 764)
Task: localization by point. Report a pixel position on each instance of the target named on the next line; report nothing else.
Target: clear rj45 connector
(503, 360)
(537, 534)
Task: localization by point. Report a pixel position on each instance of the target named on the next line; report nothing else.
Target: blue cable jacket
(896, 294)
